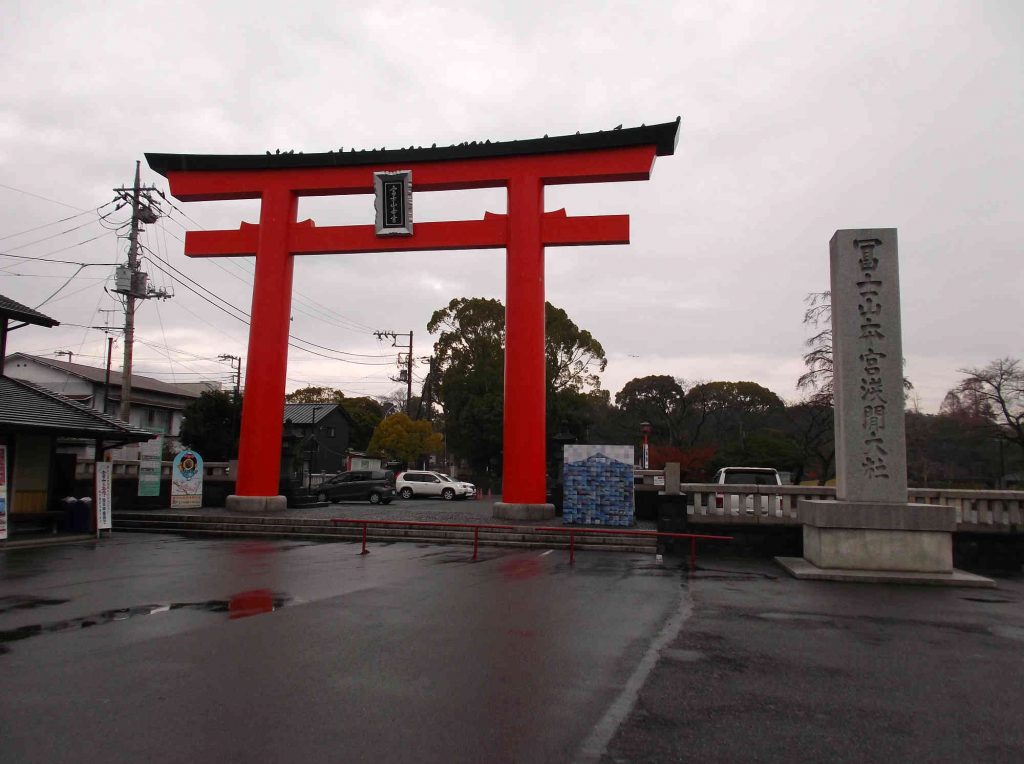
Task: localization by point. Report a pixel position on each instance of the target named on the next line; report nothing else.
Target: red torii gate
(523, 167)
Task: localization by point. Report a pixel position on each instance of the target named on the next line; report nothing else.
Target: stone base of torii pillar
(512, 511)
(256, 504)
(871, 533)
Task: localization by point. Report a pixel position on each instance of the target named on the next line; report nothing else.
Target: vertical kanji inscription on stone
(868, 367)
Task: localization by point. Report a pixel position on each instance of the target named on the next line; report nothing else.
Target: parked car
(426, 483)
(748, 476)
(358, 485)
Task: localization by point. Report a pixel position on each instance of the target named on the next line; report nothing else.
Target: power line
(45, 199)
(44, 225)
(43, 258)
(328, 315)
(61, 233)
(188, 283)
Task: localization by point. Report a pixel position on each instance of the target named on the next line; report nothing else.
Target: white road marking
(545, 554)
(595, 745)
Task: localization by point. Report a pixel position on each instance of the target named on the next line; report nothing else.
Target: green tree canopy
(400, 438)
(470, 367)
(572, 356)
(366, 414)
(313, 394)
(658, 399)
(211, 425)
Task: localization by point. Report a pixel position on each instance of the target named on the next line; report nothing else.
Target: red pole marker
(572, 548)
(365, 550)
(476, 533)
(693, 554)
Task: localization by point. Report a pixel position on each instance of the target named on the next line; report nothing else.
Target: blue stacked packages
(598, 491)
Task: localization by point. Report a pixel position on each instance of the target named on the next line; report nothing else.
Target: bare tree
(1001, 386)
(817, 380)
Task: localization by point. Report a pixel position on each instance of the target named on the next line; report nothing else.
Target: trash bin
(81, 515)
(67, 506)
(671, 519)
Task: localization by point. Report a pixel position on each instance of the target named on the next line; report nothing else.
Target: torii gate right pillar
(523, 489)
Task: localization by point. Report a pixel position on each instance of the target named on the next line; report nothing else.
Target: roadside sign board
(187, 480)
(104, 483)
(150, 463)
(3, 492)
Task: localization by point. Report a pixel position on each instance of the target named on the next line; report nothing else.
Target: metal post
(476, 533)
(693, 554)
(365, 551)
(106, 379)
(408, 374)
(572, 548)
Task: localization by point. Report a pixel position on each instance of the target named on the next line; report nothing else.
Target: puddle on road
(683, 656)
(798, 617)
(18, 602)
(1009, 632)
(986, 599)
(241, 605)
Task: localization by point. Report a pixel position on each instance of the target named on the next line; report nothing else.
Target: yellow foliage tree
(400, 438)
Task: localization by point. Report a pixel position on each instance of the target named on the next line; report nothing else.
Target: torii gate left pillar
(522, 167)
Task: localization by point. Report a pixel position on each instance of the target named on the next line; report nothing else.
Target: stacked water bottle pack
(598, 487)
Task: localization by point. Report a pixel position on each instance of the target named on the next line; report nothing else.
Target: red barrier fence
(573, 532)
(617, 532)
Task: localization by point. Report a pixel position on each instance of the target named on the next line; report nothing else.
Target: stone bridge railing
(976, 511)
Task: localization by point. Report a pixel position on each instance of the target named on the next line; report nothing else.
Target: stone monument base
(798, 567)
(256, 503)
(508, 511)
(874, 542)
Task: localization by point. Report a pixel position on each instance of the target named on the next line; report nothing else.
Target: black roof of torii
(663, 136)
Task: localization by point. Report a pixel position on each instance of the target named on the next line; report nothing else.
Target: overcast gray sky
(798, 118)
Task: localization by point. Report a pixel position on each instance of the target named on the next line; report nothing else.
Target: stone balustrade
(976, 511)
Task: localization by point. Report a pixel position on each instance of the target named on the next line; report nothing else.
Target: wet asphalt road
(127, 650)
(770, 669)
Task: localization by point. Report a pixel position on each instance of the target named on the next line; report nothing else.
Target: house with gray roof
(157, 406)
(32, 421)
(315, 439)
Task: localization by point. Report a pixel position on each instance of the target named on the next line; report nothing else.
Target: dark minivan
(358, 485)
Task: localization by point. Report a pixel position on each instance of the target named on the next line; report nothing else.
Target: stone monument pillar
(870, 532)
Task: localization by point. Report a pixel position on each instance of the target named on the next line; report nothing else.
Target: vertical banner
(150, 464)
(187, 481)
(3, 492)
(104, 482)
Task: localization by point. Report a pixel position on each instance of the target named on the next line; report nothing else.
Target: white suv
(422, 483)
(738, 476)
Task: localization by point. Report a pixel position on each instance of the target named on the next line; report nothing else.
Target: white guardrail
(976, 511)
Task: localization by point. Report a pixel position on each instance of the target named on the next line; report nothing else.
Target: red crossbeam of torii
(523, 167)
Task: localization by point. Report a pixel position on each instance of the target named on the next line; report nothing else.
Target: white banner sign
(3, 492)
(104, 498)
(150, 466)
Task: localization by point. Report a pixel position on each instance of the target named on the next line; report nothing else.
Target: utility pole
(236, 366)
(129, 304)
(110, 351)
(406, 373)
(130, 281)
(427, 394)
